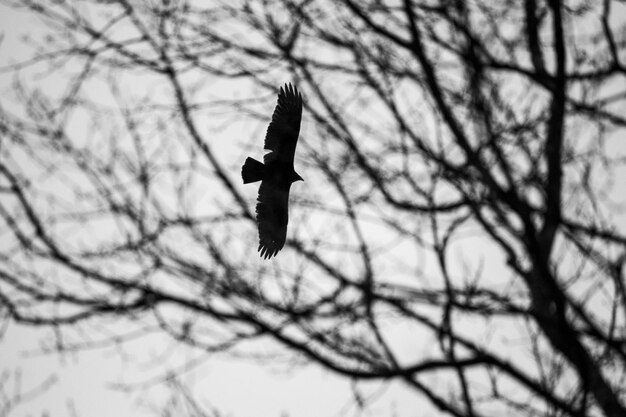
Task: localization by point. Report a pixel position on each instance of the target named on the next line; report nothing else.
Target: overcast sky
(130, 378)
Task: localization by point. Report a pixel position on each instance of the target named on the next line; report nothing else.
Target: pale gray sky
(92, 379)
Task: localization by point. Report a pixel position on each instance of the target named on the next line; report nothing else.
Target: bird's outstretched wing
(272, 216)
(282, 134)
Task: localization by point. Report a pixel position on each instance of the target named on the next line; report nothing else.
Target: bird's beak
(299, 178)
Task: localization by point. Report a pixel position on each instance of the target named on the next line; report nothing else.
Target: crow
(276, 173)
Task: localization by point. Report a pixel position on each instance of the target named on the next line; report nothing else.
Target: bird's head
(295, 177)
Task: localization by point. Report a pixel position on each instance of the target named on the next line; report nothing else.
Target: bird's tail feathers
(252, 170)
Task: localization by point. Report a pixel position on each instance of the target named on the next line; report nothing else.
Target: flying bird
(276, 172)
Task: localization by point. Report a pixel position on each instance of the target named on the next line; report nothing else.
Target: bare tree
(462, 163)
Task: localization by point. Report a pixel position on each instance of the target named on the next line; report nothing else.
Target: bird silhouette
(276, 173)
